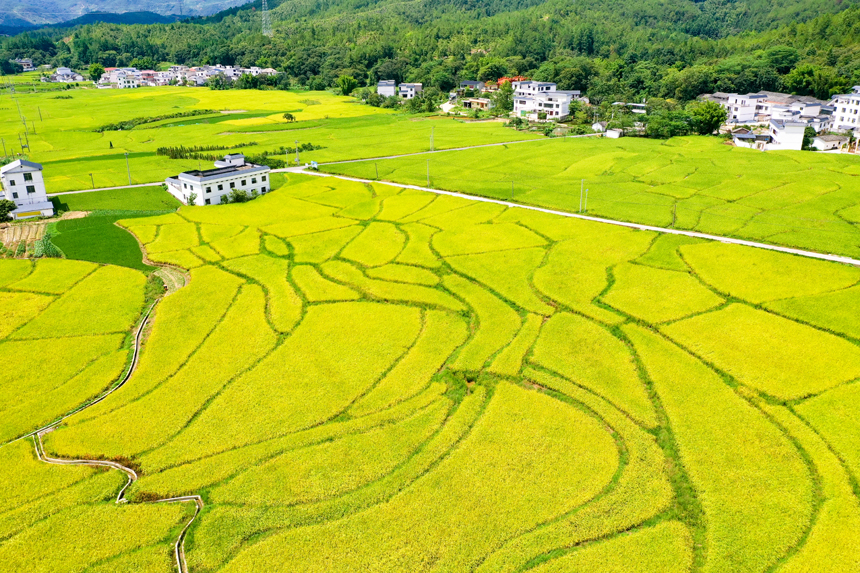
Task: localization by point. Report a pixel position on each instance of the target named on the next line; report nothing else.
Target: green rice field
(362, 377)
(62, 130)
(798, 199)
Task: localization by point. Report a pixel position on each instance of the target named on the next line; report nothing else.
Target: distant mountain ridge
(33, 13)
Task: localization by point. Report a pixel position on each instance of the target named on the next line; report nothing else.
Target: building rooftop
(221, 171)
(386, 83)
(830, 137)
(21, 163)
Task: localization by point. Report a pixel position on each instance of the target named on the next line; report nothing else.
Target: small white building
(598, 126)
(211, 185)
(829, 142)
(613, 133)
(25, 63)
(472, 85)
(23, 183)
(386, 88)
(786, 134)
(409, 91)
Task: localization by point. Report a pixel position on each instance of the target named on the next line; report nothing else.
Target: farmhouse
(829, 142)
(472, 85)
(23, 183)
(409, 91)
(541, 101)
(787, 134)
(481, 103)
(25, 63)
(210, 186)
(386, 88)
(846, 114)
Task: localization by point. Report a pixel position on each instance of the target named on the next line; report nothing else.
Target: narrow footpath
(173, 281)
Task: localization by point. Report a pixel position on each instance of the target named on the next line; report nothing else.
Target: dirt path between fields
(173, 280)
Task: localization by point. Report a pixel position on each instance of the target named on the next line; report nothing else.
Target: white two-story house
(409, 91)
(846, 113)
(23, 184)
(211, 185)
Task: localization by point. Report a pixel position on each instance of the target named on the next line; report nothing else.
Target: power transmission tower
(267, 21)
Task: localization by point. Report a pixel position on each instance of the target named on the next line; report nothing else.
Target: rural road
(303, 170)
(641, 227)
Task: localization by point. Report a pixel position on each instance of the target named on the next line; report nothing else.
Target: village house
(25, 63)
(472, 85)
(481, 103)
(64, 75)
(846, 114)
(535, 99)
(211, 185)
(23, 184)
(786, 134)
(829, 142)
(409, 91)
(386, 88)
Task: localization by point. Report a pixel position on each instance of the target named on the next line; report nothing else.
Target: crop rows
(366, 378)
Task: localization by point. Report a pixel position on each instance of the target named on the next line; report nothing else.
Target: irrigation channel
(173, 282)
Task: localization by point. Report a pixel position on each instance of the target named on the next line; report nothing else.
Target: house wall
(213, 190)
(15, 188)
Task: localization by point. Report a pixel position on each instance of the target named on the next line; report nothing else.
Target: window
(232, 184)
(11, 182)
(208, 201)
(209, 190)
(31, 189)
(28, 177)
(263, 178)
(14, 195)
(262, 189)
(244, 182)
(220, 187)
(253, 180)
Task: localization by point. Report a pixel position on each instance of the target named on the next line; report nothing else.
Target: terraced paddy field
(359, 377)
(792, 198)
(81, 138)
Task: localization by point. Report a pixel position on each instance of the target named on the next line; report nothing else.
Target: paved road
(731, 240)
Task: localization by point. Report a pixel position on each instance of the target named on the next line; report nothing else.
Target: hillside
(39, 12)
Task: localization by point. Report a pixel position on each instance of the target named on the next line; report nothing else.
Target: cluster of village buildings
(533, 100)
(182, 75)
(772, 120)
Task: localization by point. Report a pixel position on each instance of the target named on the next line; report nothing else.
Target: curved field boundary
(179, 545)
(638, 226)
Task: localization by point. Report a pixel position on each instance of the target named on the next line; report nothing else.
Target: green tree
(95, 71)
(808, 135)
(6, 207)
(504, 98)
(192, 198)
(289, 117)
(707, 117)
(347, 84)
(492, 71)
(144, 63)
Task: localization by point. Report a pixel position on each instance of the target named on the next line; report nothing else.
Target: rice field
(63, 133)
(359, 377)
(798, 199)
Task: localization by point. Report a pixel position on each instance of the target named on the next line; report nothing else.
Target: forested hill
(609, 48)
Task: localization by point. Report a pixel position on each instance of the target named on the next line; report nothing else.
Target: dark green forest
(609, 49)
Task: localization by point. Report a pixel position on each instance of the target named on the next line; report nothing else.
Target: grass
(365, 377)
(153, 198)
(802, 200)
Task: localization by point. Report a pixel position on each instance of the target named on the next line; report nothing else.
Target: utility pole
(432, 128)
(581, 188)
(377, 170)
(127, 168)
(297, 152)
(674, 214)
(34, 127)
(40, 113)
(586, 200)
(92, 181)
(4, 147)
(20, 144)
(26, 137)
